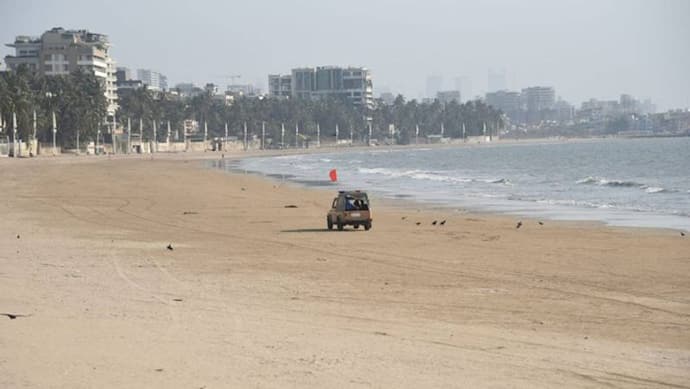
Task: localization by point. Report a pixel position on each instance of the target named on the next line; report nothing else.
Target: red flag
(334, 175)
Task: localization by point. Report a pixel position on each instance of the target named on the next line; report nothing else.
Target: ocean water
(625, 182)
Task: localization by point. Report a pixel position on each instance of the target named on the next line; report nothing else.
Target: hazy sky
(597, 48)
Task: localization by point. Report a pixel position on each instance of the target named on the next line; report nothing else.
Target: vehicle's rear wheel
(356, 226)
(367, 226)
(329, 223)
(340, 225)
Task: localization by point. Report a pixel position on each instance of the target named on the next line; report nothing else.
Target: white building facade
(60, 52)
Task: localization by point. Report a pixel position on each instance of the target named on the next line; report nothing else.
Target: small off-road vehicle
(349, 208)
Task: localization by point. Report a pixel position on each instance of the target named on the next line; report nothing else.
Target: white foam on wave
(599, 181)
(414, 174)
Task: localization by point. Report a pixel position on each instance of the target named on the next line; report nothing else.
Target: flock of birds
(435, 222)
(443, 222)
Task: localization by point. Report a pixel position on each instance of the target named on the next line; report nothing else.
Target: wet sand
(254, 294)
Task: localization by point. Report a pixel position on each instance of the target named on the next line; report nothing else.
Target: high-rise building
(123, 74)
(153, 80)
(279, 85)
(434, 84)
(464, 85)
(507, 101)
(59, 51)
(353, 84)
(125, 81)
(539, 98)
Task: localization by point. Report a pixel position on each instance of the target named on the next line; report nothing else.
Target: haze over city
(595, 49)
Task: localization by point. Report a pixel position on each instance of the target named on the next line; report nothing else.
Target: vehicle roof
(358, 194)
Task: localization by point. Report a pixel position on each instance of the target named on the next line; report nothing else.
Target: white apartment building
(59, 52)
(153, 80)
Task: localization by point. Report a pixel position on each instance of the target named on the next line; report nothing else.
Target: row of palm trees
(409, 119)
(76, 101)
(79, 105)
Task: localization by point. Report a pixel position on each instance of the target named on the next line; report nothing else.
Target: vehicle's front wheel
(367, 226)
(329, 223)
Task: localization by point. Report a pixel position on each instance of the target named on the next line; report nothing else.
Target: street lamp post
(155, 138)
(129, 135)
(245, 136)
(112, 133)
(14, 134)
(225, 140)
(34, 134)
(54, 133)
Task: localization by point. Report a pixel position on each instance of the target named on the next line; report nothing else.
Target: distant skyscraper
(464, 85)
(496, 81)
(434, 84)
(152, 79)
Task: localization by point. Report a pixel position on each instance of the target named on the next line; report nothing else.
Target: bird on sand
(418, 223)
(682, 233)
(541, 223)
(443, 222)
(403, 218)
(170, 247)
(519, 224)
(13, 316)
(434, 223)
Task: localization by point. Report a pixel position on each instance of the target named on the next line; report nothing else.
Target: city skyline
(581, 51)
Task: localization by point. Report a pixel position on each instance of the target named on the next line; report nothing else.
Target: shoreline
(236, 157)
(625, 218)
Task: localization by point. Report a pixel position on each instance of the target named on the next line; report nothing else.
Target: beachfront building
(353, 84)
(59, 52)
(539, 103)
(539, 98)
(509, 102)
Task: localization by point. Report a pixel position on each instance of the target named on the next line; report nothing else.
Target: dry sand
(258, 295)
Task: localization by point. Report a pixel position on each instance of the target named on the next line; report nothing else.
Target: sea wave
(655, 189)
(577, 203)
(608, 182)
(500, 181)
(414, 174)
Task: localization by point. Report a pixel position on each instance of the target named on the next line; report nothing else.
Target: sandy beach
(254, 294)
